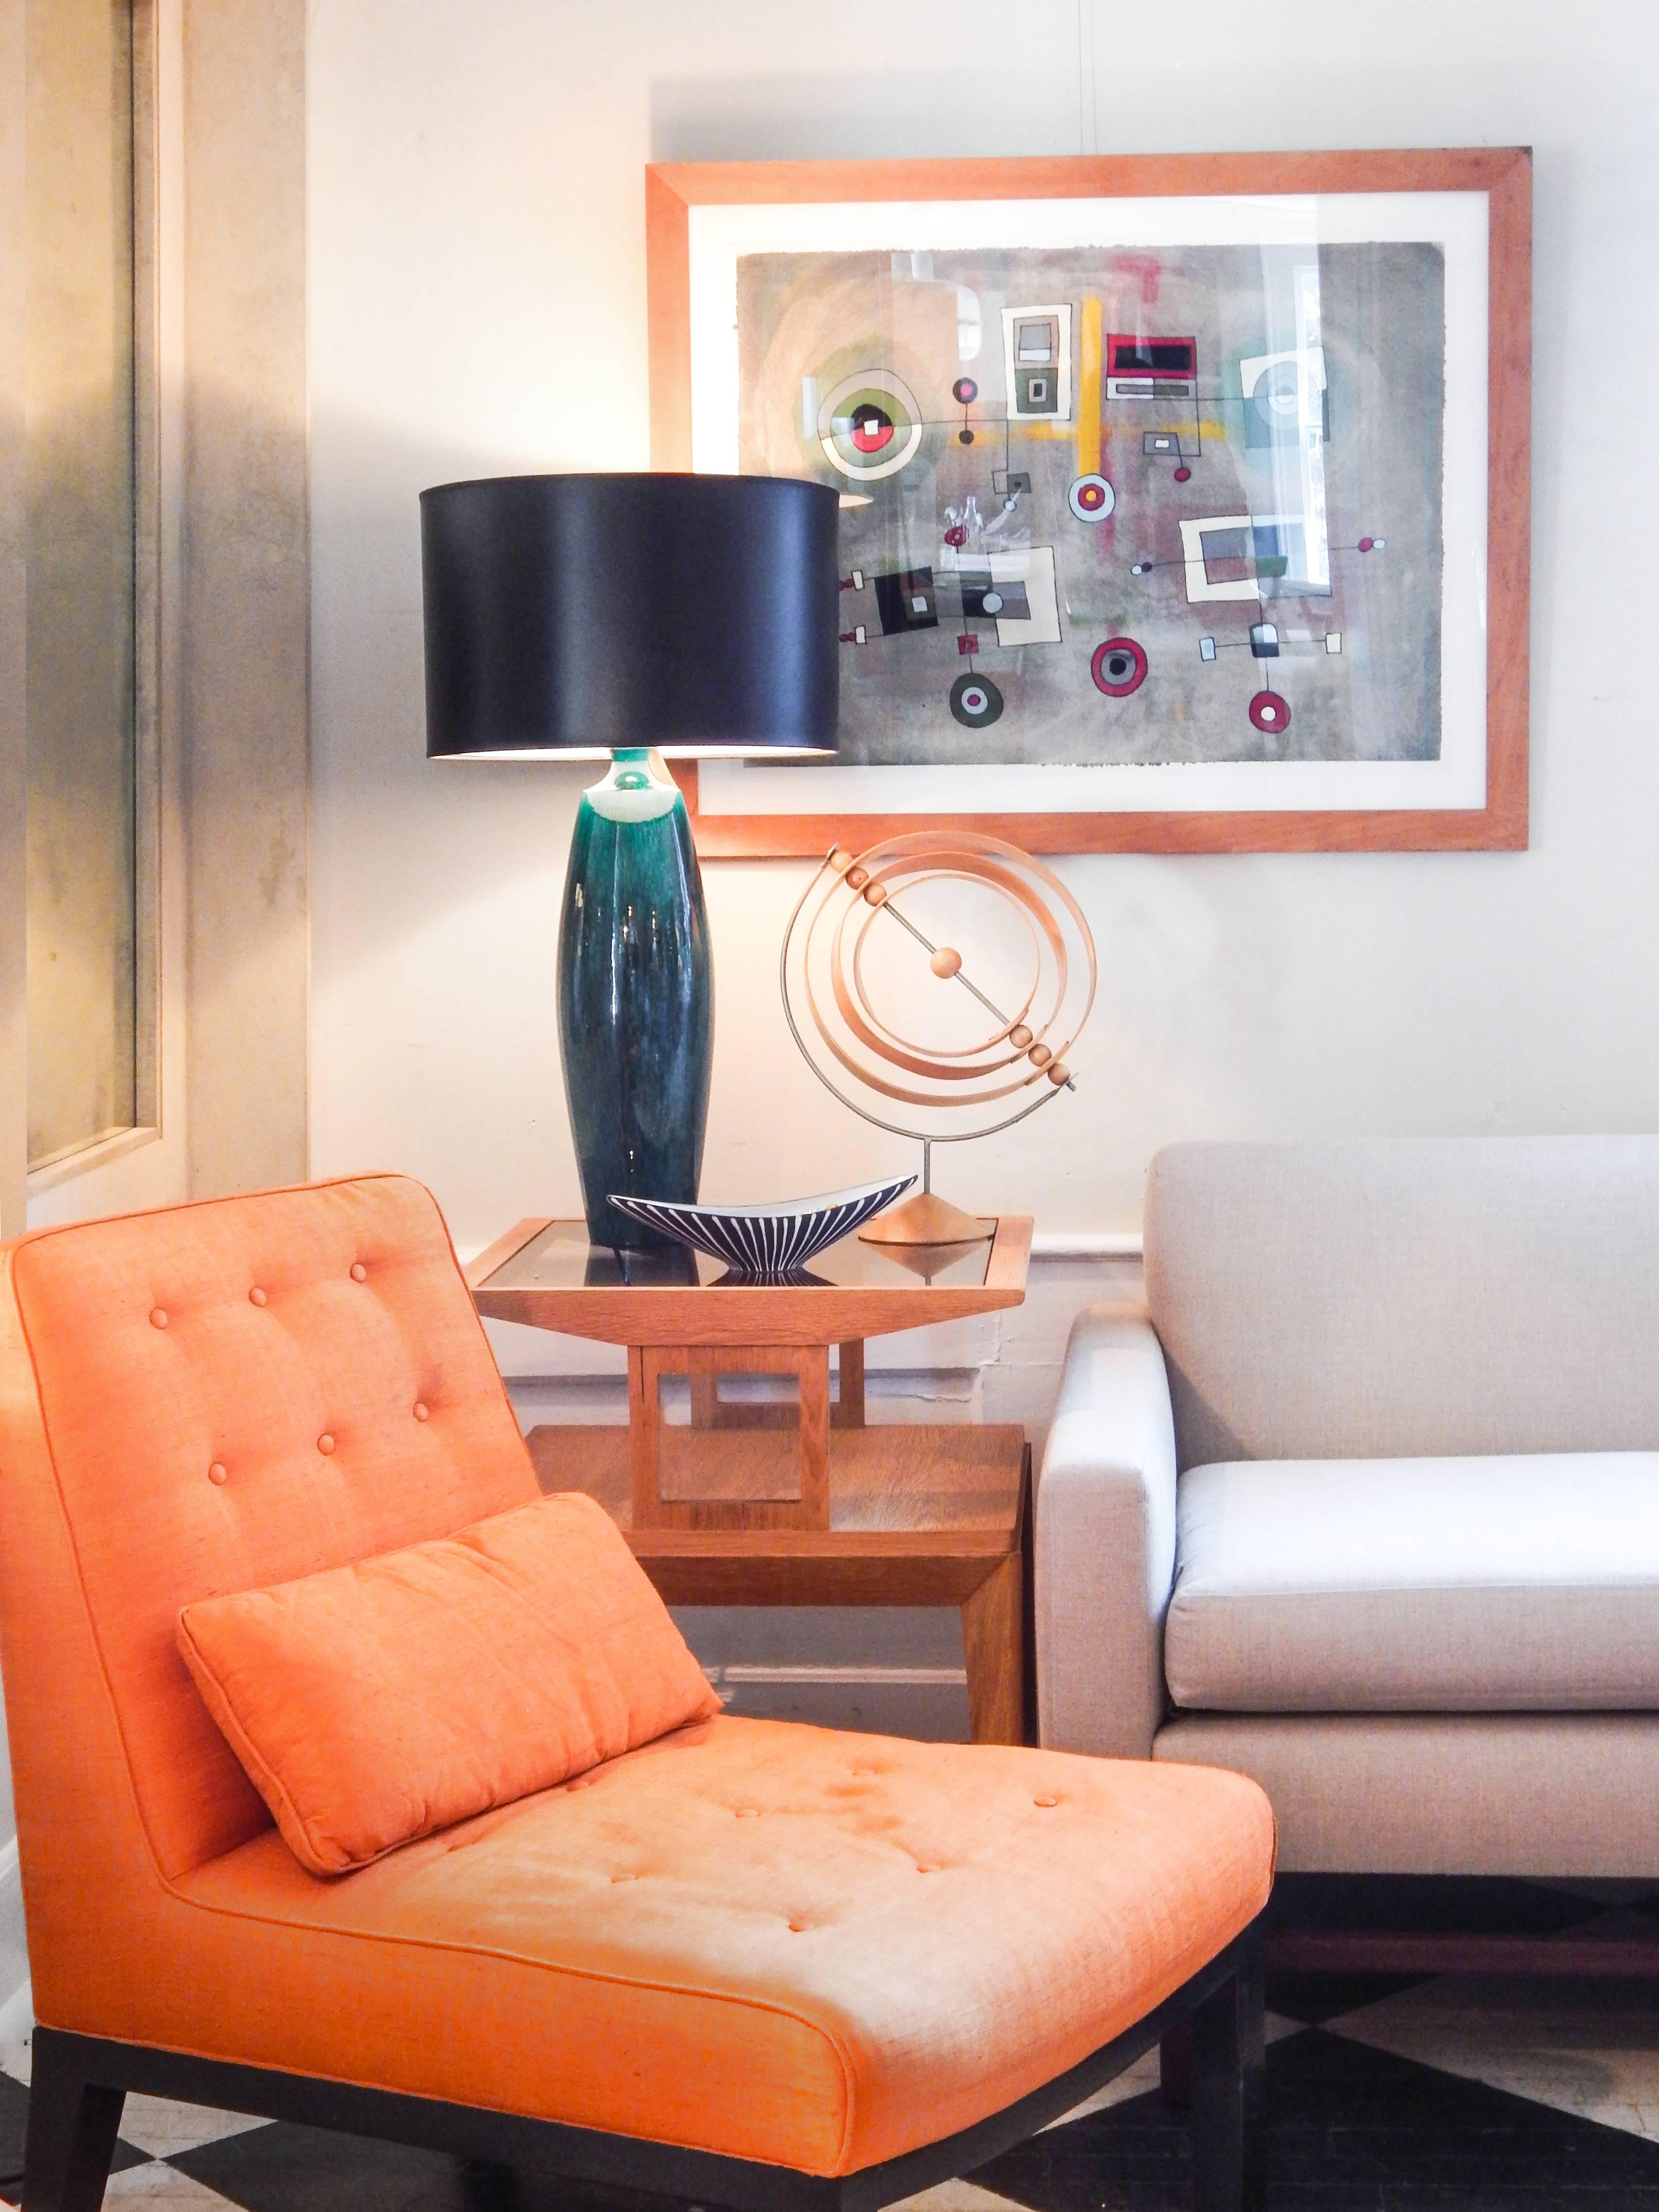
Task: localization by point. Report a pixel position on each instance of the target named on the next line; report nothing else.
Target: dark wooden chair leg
(71, 2133)
(1174, 2066)
(487, 2186)
(1229, 2161)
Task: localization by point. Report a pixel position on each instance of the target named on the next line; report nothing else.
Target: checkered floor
(1386, 2094)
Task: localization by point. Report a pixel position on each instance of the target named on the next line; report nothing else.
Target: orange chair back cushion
(232, 1394)
(375, 1703)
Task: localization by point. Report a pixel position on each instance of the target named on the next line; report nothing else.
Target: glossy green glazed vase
(637, 998)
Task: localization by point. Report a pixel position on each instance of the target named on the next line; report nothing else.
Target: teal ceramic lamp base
(637, 998)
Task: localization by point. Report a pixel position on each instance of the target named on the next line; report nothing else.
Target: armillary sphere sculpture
(867, 935)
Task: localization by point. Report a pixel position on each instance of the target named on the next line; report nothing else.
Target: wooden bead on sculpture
(1039, 1055)
(875, 894)
(1058, 1073)
(841, 860)
(946, 961)
(857, 877)
(1019, 1036)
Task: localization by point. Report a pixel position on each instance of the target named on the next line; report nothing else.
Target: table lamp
(638, 618)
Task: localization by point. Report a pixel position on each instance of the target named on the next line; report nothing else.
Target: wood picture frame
(1494, 815)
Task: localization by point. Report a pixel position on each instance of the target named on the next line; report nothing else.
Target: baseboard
(1087, 1244)
(813, 1677)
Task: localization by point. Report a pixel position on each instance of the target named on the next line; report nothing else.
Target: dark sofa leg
(1229, 2162)
(71, 2132)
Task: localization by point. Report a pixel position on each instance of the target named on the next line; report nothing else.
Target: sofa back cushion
(235, 1393)
(1404, 1299)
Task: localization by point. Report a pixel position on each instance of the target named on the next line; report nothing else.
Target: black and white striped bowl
(766, 1240)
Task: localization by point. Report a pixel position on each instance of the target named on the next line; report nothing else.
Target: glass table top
(562, 1259)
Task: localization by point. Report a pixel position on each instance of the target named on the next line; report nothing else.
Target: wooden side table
(774, 1504)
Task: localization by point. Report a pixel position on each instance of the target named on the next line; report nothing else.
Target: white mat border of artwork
(1456, 221)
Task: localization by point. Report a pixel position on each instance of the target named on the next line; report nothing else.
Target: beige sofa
(1366, 1504)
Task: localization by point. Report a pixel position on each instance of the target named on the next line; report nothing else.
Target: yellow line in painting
(1168, 419)
(1088, 391)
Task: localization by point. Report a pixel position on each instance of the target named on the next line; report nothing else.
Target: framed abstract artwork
(1184, 499)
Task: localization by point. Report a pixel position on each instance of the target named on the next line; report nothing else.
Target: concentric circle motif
(870, 425)
(1270, 712)
(964, 392)
(849, 973)
(976, 701)
(1091, 499)
(1119, 667)
(1277, 395)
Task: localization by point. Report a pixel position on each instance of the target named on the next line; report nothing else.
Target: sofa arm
(1106, 1541)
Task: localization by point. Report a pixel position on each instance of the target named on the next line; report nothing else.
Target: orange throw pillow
(376, 1703)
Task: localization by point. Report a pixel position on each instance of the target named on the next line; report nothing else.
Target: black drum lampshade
(584, 614)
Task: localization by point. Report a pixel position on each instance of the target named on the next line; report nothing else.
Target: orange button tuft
(421, 1412)
(359, 1273)
(217, 1474)
(256, 1295)
(746, 1812)
(158, 1318)
(1045, 1801)
(325, 1443)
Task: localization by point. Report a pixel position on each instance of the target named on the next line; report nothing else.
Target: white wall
(477, 304)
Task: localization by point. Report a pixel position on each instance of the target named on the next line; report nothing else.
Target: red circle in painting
(956, 535)
(964, 391)
(1119, 667)
(1183, 476)
(1366, 544)
(872, 429)
(1270, 712)
(1091, 499)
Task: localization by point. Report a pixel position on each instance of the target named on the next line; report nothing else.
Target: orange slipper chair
(748, 1964)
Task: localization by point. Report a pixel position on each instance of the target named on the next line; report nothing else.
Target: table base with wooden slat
(925, 1515)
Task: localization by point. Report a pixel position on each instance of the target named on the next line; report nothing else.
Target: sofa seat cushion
(784, 1943)
(1502, 1584)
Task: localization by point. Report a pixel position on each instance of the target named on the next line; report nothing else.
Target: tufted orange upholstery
(783, 1943)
